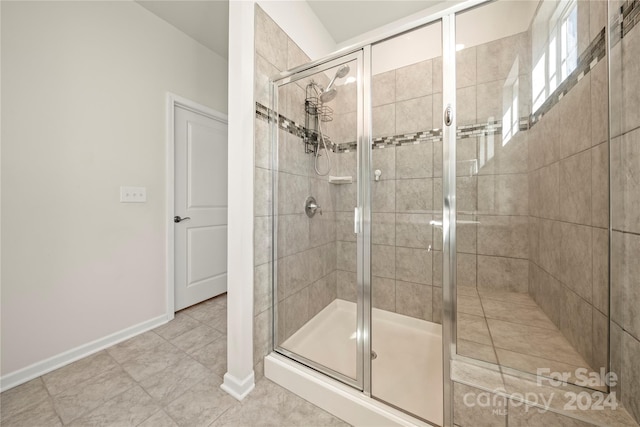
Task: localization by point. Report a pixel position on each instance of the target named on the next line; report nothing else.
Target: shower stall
(441, 194)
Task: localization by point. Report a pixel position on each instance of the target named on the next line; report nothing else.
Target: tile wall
(492, 179)
(402, 200)
(541, 200)
(625, 203)
(306, 248)
(568, 205)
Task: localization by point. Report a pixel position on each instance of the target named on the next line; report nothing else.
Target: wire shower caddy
(315, 114)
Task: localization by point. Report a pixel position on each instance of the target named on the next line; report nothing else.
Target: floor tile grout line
(219, 306)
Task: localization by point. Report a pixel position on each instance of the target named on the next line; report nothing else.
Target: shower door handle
(356, 220)
(448, 115)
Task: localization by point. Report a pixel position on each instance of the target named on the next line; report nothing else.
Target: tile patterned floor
(510, 329)
(169, 376)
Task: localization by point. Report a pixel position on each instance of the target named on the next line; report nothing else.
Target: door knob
(178, 219)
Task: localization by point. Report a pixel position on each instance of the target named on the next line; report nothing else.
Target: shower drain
(374, 355)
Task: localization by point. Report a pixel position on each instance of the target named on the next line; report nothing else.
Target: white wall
(83, 112)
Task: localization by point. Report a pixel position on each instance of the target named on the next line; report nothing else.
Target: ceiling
(346, 19)
(205, 21)
(208, 21)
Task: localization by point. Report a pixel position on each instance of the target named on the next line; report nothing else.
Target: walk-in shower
(479, 236)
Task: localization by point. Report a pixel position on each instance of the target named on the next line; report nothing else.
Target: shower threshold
(407, 369)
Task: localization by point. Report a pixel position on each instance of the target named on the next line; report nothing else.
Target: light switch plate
(133, 194)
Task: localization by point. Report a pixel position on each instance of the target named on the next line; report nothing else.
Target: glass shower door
(406, 222)
(318, 316)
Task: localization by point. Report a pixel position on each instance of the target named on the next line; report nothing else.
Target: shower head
(328, 95)
(330, 92)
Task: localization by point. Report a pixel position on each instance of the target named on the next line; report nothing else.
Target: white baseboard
(238, 389)
(40, 368)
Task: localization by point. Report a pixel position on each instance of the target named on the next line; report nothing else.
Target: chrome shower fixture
(330, 92)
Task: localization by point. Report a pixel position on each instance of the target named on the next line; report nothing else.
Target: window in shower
(557, 57)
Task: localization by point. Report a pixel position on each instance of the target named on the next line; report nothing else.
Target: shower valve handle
(315, 208)
(311, 207)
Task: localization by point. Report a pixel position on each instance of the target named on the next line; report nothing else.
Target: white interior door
(200, 222)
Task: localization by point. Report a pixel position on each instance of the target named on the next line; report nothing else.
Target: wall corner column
(239, 379)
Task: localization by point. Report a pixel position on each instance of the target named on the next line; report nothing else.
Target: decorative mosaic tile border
(631, 14)
(284, 123)
(594, 53)
(621, 24)
(432, 135)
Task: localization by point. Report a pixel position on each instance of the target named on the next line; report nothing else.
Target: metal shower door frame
(362, 215)
(362, 50)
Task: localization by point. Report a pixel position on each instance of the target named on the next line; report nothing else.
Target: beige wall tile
(631, 374)
(347, 289)
(293, 190)
(414, 115)
(385, 160)
(503, 236)
(574, 134)
(550, 250)
(346, 256)
(466, 270)
(600, 293)
(577, 325)
(600, 185)
(503, 194)
(383, 293)
(631, 285)
(293, 234)
(271, 41)
(344, 227)
(489, 101)
(600, 341)
(599, 100)
(384, 194)
(262, 293)
(291, 155)
(413, 195)
(413, 230)
(437, 305)
(466, 106)
(575, 188)
(414, 161)
(499, 56)
(383, 261)
(503, 274)
(262, 240)
(550, 191)
(413, 265)
(384, 88)
(413, 299)
(465, 67)
(296, 311)
(322, 293)
(383, 228)
(630, 153)
(384, 120)
(576, 257)
(414, 81)
(630, 83)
